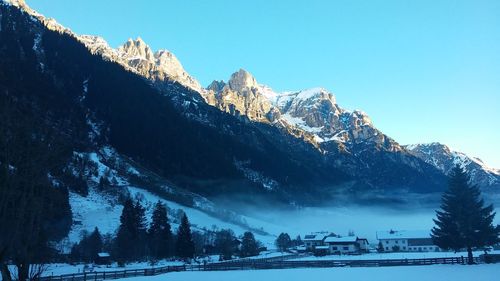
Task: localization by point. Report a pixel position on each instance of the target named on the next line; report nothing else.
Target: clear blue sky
(423, 70)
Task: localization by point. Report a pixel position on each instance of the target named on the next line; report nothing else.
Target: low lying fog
(363, 220)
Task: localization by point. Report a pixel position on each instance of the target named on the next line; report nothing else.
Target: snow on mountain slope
(94, 210)
(101, 207)
(101, 210)
(443, 158)
(199, 220)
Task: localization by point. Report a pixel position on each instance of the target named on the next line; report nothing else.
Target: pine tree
(297, 241)
(249, 246)
(283, 242)
(130, 239)
(380, 247)
(141, 228)
(185, 245)
(125, 235)
(464, 221)
(94, 244)
(224, 243)
(160, 234)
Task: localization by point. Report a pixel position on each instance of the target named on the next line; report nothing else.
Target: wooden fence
(250, 264)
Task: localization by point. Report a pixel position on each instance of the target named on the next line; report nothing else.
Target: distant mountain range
(234, 137)
(443, 158)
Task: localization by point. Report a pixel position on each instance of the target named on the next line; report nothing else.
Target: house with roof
(311, 241)
(346, 245)
(406, 241)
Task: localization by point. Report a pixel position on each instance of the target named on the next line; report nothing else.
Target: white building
(313, 240)
(346, 245)
(406, 241)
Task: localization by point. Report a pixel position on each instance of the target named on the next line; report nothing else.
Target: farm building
(346, 245)
(311, 241)
(406, 241)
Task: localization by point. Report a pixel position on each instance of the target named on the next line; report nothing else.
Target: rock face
(160, 66)
(443, 158)
(137, 56)
(241, 95)
(316, 112)
(313, 113)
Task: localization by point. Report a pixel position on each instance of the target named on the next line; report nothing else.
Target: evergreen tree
(380, 247)
(185, 245)
(160, 234)
(249, 246)
(464, 221)
(94, 243)
(283, 242)
(130, 239)
(224, 243)
(141, 227)
(297, 241)
(88, 247)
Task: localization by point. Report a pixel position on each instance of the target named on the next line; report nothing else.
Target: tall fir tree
(283, 242)
(225, 243)
(141, 227)
(125, 235)
(249, 246)
(130, 239)
(463, 220)
(185, 245)
(159, 233)
(94, 244)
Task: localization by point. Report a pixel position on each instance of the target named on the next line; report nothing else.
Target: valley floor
(483, 272)
(399, 255)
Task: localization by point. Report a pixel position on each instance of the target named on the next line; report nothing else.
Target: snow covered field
(405, 273)
(401, 255)
(64, 268)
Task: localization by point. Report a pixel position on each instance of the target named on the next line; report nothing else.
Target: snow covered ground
(481, 272)
(99, 210)
(401, 255)
(91, 211)
(64, 268)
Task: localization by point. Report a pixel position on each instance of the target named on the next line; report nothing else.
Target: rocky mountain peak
(216, 86)
(158, 66)
(18, 3)
(241, 80)
(136, 49)
(444, 159)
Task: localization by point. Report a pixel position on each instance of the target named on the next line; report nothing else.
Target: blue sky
(424, 71)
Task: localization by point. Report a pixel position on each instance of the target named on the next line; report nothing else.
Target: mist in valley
(362, 217)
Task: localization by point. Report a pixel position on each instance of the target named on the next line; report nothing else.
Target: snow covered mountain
(443, 158)
(313, 112)
(130, 121)
(234, 137)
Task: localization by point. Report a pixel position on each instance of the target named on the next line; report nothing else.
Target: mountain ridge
(343, 140)
(444, 158)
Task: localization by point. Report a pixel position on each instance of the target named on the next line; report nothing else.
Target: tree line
(135, 240)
